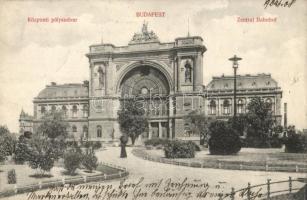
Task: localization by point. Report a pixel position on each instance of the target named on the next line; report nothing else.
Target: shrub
(179, 149)
(72, 161)
(223, 140)
(11, 177)
(196, 147)
(156, 141)
(90, 161)
(275, 141)
(96, 145)
(42, 153)
(296, 143)
(256, 142)
(21, 151)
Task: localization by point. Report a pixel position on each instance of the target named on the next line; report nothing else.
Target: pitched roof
(243, 82)
(64, 91)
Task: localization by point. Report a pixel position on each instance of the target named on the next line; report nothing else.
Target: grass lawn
(26, 176)
(247, 155)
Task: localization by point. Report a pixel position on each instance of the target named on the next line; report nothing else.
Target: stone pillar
(178, 73)
(149, 131)
(198, 71)
(174, 61)
(160, 130)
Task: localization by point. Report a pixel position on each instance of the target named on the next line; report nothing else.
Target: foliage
(7, 142)
(132, 119)
(156, 141)
(97, 145)
(179, 149)
(278, 129)
(53, 126)
(90, 161)
(42, 153)
(223, 139)
(196, 147)
(259, 118)
(21, 150)
(72, 161)
(199, 124)
(11, 176)
(295, 143)
(239, 123)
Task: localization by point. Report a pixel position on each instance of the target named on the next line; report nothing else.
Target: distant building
(166, 77)
(25, 123)
(219, 98)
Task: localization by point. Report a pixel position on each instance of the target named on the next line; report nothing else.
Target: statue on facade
(101, 77)
(144, 36)
(188, 72)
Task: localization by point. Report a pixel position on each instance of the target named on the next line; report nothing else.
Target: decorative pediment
(144, 37)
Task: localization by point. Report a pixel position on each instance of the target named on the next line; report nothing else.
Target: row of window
(85, 130)
(226, 106)
(64, 109)
(254, 83)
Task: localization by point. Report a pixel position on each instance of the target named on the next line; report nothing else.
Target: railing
(73, 180)
(246, 193)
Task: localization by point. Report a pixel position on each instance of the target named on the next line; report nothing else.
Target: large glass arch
(144, 81)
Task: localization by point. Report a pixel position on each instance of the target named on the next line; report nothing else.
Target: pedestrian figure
(123, 142)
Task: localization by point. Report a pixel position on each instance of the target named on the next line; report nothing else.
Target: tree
(7, 143)
(41, 153)
(199, 124)
(259, 118)
(223, 139)
(21, 150)
(132, 119)
(90, 161)
(54, 128)
(72, 161)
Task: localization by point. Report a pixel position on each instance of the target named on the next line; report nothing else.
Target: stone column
(198, 71)
(178, 73)
(149, 131)
(160, 130)
(174, 73)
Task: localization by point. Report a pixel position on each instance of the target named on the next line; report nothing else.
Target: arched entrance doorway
(148, 85)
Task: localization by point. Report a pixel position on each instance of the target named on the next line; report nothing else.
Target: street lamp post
(235, 66)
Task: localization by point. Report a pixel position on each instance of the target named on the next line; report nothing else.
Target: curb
(61, 182)
(221, 164)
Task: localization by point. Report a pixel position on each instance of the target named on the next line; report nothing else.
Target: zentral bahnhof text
(52, 20)
(256, 19)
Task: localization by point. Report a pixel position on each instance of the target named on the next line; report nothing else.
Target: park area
(273, 159)
(27, 177)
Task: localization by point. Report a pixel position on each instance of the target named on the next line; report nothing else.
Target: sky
(35, 54)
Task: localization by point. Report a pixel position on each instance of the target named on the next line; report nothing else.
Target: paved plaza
(152, 171)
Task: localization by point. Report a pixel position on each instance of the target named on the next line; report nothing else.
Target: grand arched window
(74, 111)
(212, 107)
(74, 128)
(226, 107)
(240, 106)
(99, 131)
(85, 131)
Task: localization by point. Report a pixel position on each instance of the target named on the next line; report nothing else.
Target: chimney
(53, 83)
(285, 116)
